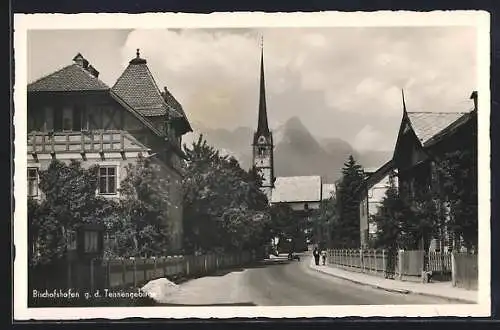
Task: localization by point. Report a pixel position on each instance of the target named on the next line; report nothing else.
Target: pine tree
(346, 231)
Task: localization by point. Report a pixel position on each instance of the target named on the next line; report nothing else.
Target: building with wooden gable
(423, 138)
(72, 114)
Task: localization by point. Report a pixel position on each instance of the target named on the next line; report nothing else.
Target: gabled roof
(137, 87)
(71, 78)
(428, 124)
(297, 189)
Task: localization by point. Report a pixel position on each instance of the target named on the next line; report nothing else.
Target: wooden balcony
(83, 142)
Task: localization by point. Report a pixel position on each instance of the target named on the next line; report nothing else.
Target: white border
(24, 22)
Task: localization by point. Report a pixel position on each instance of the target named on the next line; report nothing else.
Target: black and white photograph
(245, 165)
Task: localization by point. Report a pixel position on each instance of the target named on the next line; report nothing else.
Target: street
(284, 283)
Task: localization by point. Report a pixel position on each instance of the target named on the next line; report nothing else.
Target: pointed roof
(137, 87)
(262, 125)
(428, 124)
(79, 76)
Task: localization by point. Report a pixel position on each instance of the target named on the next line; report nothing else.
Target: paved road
(283, 283)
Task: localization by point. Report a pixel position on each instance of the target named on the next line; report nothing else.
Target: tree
(458, 175)
(324, 220)
(142, 228)
(391, 217)
(224, 207)
(346, 231)
(69, 201)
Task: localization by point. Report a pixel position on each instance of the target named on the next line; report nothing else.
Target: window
(107, 180)
(32, 182)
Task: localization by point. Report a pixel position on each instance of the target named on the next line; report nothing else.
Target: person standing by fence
(316, 255)
(390, 269)
(323, 256)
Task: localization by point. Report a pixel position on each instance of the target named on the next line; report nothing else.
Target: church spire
(262, 125)
(404, 103)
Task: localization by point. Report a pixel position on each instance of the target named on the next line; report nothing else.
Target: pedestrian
(323, 256)
(316, 256)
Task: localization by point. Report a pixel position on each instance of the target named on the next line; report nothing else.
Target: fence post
(400, 264)
(124, 272)
(374, 252)
(92, 275)
(453, 269)
(108, 274)
(187, 266)
(205, 263)
(154, 267)
(384, 265)
(135, 269)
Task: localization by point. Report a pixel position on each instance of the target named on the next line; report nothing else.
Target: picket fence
(409, 265)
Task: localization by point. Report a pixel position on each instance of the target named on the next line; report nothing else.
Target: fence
(409, 265)
(465, 270)
(405, 265)
(133, 272)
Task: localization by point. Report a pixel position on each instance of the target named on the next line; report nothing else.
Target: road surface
(284, 283)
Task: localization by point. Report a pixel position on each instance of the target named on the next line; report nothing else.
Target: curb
(401, 291)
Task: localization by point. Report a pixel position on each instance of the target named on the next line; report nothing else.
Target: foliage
(458, 176)
(391, 217)
(346, 231)
(141, 228)
(224, 207)
(69, 200)
(324, 220)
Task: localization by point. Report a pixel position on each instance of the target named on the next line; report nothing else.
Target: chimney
(93, 71)
(81, 61)
(474, 98)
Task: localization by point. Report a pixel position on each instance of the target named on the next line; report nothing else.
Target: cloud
(368, 138)
(336, 80)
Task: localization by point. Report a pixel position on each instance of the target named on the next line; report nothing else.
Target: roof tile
(427, 124)
(70, 78)
(137, 87)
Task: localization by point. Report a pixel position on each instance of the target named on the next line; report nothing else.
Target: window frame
(116, 166)
(36, 179)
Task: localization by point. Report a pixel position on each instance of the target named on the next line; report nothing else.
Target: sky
(341, 82)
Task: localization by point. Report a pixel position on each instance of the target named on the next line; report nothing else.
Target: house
(422, 138)
(73, 115)
(327, 191)
(371, 195)
(303, 194)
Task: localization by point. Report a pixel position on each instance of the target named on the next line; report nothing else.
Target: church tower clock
(263, 140)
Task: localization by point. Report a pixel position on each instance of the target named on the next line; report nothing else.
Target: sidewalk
(439, 289)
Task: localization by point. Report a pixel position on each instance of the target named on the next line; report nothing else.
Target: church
(302, 193)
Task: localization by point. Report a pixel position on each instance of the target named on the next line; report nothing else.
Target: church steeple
(263, 138)
(262, 125)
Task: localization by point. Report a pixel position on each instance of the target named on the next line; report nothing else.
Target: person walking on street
(323, 256)
(316, 256)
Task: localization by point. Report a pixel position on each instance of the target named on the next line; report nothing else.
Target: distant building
(301, 193)
(371, 195)
(73, 115)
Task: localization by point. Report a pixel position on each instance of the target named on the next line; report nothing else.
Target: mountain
(297, 151)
